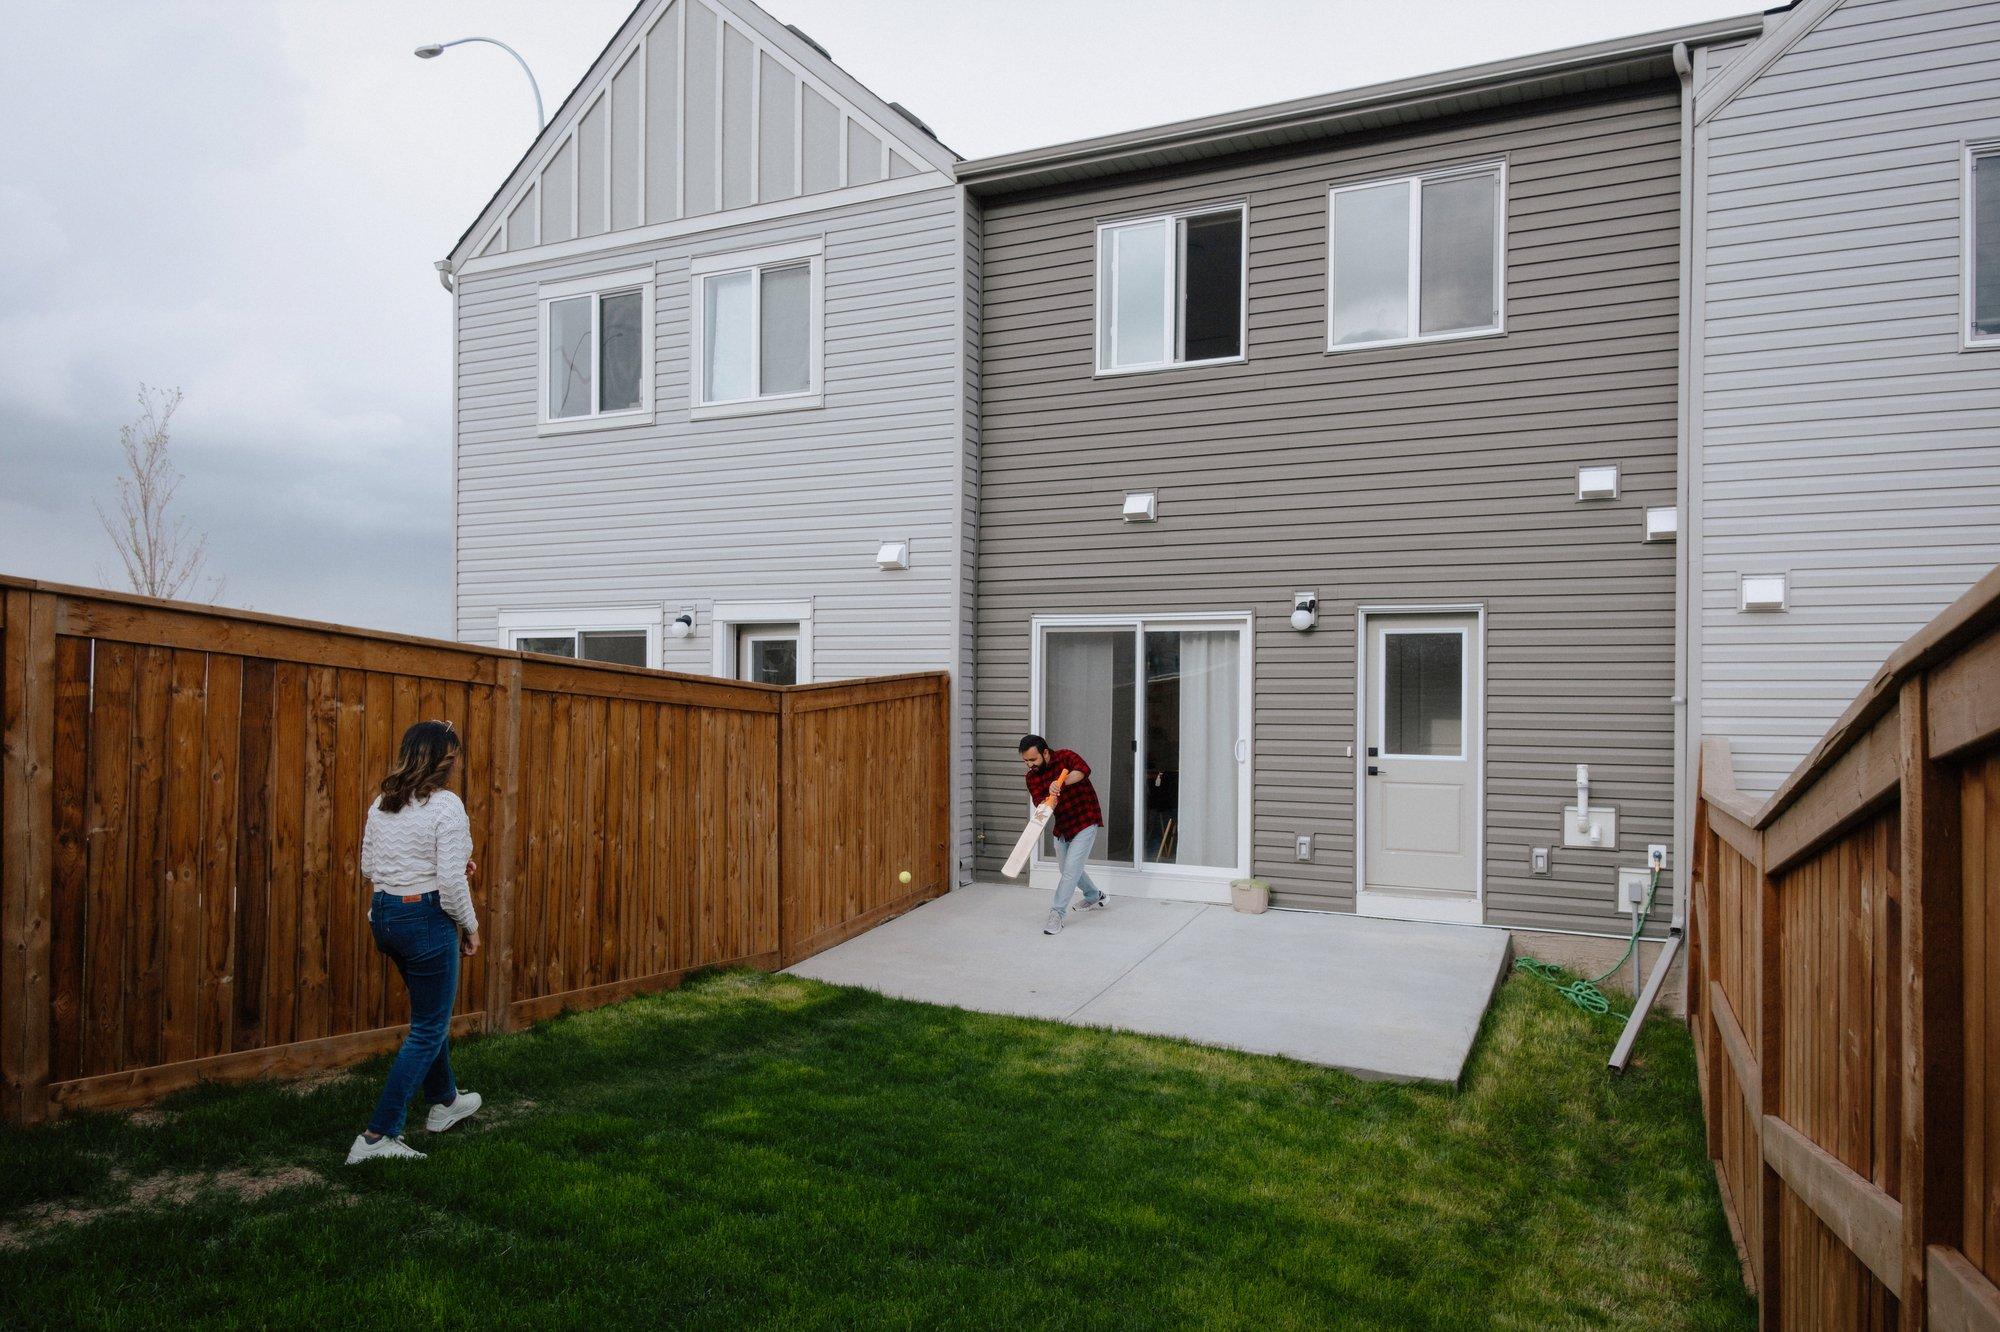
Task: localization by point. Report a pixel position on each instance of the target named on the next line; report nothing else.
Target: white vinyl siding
(1844, 433)
(1416, 258)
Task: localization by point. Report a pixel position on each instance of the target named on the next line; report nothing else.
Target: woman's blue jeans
(423, 943)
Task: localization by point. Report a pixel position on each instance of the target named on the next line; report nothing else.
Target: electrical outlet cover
(1632, 885)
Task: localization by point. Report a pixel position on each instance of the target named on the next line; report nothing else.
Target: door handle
(1374, 771)
(1242, 749)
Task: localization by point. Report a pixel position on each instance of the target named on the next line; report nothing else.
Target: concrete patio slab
(1384, 999)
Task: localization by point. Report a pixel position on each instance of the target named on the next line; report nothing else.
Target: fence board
(185, 788)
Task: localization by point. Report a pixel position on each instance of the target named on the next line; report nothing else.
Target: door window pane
(1193, 721)
(785, 329)
(1456, 255)
(623, 647)
(1371, 263)
(1986, 245)
(1423, 693)
(554, 645)
(1212, 282)
(726, 352)
(768, 655)
(618, 365)
(1089, 705)
(569, 357)
(1135, 319)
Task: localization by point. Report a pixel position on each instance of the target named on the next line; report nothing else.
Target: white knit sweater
(422, 848)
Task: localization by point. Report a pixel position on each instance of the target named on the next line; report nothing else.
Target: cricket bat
(1037, 822)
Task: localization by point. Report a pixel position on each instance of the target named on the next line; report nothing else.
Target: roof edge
(991, 173)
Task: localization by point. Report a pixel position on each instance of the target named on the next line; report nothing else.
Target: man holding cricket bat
(1060, 779)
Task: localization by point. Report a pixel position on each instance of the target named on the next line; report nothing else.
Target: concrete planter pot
(1250, 896)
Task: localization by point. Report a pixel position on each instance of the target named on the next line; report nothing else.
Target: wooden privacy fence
(1845, 998)
(181, 804)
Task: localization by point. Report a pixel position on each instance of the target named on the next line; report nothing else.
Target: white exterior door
(1423, 693)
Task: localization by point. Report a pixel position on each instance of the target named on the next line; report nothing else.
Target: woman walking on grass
(416, 852)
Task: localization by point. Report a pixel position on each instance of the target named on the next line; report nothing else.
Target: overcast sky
(244, 200)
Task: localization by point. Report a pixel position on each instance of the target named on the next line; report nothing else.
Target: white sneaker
(382, 1149)
(443, 1117)
(1053, 925)
(1092, 904)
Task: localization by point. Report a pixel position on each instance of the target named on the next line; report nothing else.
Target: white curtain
(1210, 685)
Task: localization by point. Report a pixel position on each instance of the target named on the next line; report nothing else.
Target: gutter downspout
(444, 272)
(1662, 965)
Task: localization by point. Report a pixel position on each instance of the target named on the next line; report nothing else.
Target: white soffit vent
(893, 555)
(1761, 592)
(1142, 506)
(1663, 524)
(1597, 482)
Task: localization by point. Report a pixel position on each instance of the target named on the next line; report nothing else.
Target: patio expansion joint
(1193, 916)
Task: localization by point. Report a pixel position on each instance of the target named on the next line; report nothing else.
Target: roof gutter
(992, 173)
(445, 273)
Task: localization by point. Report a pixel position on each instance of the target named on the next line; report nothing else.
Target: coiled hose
(1584, 993)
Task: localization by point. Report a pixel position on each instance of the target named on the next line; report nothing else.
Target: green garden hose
(1584, 993)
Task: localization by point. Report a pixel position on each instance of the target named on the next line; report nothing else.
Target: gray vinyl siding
(1844, 438)
(778, 507)
(1441, 472)
(965, 688)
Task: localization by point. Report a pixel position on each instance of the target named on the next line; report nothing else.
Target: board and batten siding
(785, 506)
(1441, 472)
(1843, 438)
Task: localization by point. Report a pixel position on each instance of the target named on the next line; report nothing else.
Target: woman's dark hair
(423, 764)
(1029, 742)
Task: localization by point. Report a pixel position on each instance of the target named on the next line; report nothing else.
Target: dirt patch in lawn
(166, 1189)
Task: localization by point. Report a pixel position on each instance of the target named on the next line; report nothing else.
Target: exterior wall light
(682, 625)
(1305, 610)
(1594, 483)
(893, 555)
(1142, 506)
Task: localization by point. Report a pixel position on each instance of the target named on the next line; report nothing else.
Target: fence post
(1933, 1032)
(27, 814)
(506, 825)
(788, 829)
(1770, 1058)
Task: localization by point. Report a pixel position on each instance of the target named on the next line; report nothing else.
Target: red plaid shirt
(1076, 807)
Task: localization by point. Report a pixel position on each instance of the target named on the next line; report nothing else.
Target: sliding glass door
(1159, 709)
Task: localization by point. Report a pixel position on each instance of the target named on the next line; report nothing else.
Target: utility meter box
(1597, 830)
(1632, 886)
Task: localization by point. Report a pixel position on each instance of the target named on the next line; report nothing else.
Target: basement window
(1170, 290)
(1982, 246)
(1417, 258)
(623, 635)
(597, 352)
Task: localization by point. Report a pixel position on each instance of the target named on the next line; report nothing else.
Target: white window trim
(1207, 883)
(1968, 249)
(727, 617)
(704, 267)
(1176, 282)
(605, 284)
(554, 621)
(1416, 183)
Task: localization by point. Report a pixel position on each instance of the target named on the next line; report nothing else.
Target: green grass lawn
(766, 1150)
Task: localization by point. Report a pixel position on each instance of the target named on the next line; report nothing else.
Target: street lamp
(436, 49)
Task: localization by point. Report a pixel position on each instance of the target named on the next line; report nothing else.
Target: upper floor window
(1170, 290)
(757, 332)
(1982, 246)
(1416, 258)
(597, 351)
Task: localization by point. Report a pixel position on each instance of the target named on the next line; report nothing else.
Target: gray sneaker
(1090, 904)
(1053, 925)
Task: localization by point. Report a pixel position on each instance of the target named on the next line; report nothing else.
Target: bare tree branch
(161, 554)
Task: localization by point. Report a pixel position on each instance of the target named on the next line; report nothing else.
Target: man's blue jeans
(1072, 855)
(423, 943)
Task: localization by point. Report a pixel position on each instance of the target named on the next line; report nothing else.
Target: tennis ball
(904, 877)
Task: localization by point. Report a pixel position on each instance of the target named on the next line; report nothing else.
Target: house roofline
(1322, 115)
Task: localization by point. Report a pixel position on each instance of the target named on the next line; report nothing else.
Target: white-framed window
(1170, 289)
(1417, 258)
(623, 635)
(769, 642)
(758, 330)
(1980, 326)
(596, 356)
